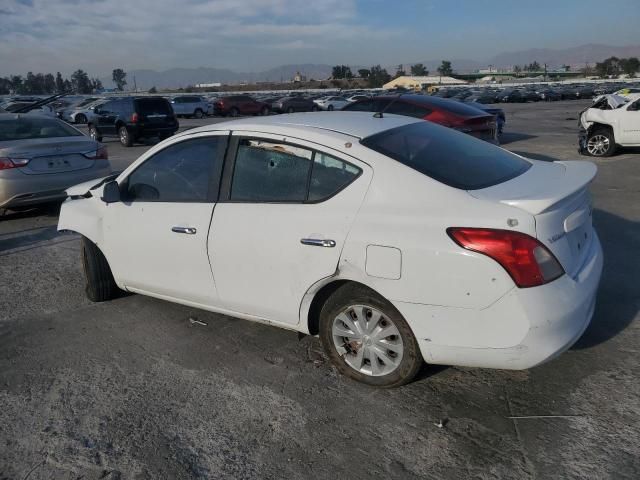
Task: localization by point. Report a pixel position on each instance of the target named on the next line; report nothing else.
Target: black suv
(132, 118)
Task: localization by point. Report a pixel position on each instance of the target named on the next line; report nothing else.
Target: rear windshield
(153, 106)
(450, 157)
(25, 127)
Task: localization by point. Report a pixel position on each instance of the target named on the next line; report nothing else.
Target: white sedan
(331, 103)
(393, 239)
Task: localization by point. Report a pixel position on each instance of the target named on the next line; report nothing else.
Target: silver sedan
(40, 157)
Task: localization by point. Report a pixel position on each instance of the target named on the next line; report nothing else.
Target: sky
(255, 35)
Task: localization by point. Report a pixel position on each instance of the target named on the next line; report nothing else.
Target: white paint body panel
(625, 121)
(389, 226)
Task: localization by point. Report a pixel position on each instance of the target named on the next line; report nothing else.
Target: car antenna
(379, 114)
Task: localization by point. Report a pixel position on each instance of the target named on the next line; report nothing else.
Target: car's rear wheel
(81, 118)
(290, 110)
(99, 283)
(94, 133)
(314, 108)
(265, 111)
(125, 136)
(234, 112)
(367, 339)
(198, 113)
(601, 143)
(330, 108)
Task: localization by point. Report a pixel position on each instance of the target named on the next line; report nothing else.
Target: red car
(449, 113)
(235, 105)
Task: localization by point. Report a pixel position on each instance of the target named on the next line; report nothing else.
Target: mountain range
(182, 77)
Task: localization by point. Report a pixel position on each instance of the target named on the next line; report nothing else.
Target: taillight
(134, 118)
(7, 163)
(523, 257)
(99, 154)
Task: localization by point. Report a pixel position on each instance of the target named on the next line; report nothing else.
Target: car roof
(354, 124)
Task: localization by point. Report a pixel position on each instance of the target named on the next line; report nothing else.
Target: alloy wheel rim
(367, 340)
(598, 145)
(123, 136)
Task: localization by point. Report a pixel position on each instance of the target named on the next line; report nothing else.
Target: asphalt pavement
(136, 388)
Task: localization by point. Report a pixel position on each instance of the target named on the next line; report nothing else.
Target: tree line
(47, 84)
(377, 76)
(614, 66)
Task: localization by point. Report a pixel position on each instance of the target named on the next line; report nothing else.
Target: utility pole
(545, 72)
(135, 86)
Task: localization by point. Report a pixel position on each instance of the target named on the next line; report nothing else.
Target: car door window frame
(232, 155)
(215, 171)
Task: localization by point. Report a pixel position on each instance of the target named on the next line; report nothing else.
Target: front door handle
(187, 230)
(318, 242)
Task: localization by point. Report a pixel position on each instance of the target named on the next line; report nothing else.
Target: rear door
(106, 118)
(156, 238)
(286, 208)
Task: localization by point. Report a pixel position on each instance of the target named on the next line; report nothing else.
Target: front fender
(83, 216)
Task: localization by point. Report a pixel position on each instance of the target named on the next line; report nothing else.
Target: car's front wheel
(198, 113)
(99, 283)
(330, 108)
(367, 338)
(81, 118)
(601, 143)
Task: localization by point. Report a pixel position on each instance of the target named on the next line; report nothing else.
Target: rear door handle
(187, 230)
(318, 242)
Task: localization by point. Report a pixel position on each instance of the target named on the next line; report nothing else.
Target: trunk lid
(47, 155)
(557, 195)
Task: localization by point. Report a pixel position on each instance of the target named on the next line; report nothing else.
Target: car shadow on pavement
(618, 299)
(27, 238)
(509, 137)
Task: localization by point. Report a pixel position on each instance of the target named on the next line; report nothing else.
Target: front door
(630, 124)
(284, 219)
(156, 238)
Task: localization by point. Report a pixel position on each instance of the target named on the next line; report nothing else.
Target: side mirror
(111, 192)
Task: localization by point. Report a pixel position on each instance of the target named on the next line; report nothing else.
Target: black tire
(314, 108)
(290, 110)
(164, 136)
(198, 113)
(605, 135)
(234, 112)
(265, 111)
(354, 294)
(81, 118)
(94, 133)
(330, 108)
(100, 285)
(126, 139)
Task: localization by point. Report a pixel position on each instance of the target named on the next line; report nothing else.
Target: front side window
(267, 171)
(182, 172)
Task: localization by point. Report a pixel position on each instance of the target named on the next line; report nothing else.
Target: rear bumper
(523, 329)
(153, 131)
(20, 190)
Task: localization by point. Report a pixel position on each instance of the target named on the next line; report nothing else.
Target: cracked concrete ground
(133, 389)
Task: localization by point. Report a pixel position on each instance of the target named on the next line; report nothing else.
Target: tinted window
(363, 106)
(451, 157)
(179, 173)
(270, 172)
(33, 127)
(329, 175)
(153, 106)
(108, 106)
(408, 109)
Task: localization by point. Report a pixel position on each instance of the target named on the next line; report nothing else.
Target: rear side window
(450, 157)
(408, 109)
(329, 175)
(153, 106)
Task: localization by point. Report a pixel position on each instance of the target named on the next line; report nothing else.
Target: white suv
(612, 121)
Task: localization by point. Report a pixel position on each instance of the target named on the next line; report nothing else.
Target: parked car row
(530, 93)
